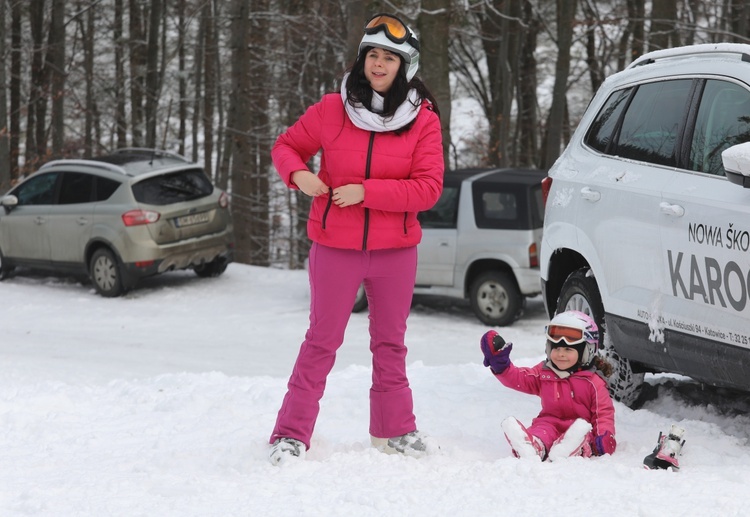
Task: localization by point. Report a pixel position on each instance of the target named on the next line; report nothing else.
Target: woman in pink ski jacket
(577, 416)
(381, 163)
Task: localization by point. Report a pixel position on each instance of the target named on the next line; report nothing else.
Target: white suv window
(723, 121)
(648, 133)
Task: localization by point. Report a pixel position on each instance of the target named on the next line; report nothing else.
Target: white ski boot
(415, 444)
(285, 450)
(666, 451)
(574, 442)
(522, 443)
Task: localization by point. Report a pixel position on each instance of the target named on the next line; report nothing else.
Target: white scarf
(372, 121)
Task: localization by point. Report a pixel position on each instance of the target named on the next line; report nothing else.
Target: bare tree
(210, 63)
(5, 165)
(56, 63)
(120, 123)
(36, 150)
(526, 86)
(153, 72)
(86, 23)
(15, 88)
(137, 43)
(434, 31)
(251, 150)
(740, 22)
(663, 32)
(566, 10)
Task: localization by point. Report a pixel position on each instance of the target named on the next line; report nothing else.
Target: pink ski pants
(335, 275)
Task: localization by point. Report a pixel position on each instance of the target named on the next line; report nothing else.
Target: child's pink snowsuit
(581, 395)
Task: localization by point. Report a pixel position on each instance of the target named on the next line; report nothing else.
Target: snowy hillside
(161, 403)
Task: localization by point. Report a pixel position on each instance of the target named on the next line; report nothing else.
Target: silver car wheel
(105, 273)
(492, 298)
(495, 299)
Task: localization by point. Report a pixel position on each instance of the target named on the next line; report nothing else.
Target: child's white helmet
(577, 330)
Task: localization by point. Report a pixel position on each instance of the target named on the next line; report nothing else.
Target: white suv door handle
(669, 209)
(590, 195)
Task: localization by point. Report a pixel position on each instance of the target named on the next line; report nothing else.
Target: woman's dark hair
(359, 91)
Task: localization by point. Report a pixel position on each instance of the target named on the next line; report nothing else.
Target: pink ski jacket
(402, 174)
(582, 395)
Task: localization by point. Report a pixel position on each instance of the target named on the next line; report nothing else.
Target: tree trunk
(182, 80)
(260, 92)
(528, 130)
(242, 157)
(434, 65)
(36, 88)
(222, 180)
(16, 52)
(200, 52)
(592, 60)
(494, 34)
(5, 163)
(739, 21)
(88, 36)
(153, 72)
(663, 31)
(251, 152)
(566, 10)
(56, 61)
(210, 64)
(121, 124)
(137, 70)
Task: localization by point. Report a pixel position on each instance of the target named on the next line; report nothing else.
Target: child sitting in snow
(578, 416)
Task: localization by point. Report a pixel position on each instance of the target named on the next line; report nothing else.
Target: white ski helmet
(575, 330)
(388, 32)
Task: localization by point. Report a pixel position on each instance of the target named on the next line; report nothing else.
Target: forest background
(218, 80)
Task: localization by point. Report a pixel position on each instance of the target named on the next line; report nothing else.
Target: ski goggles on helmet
(569, 335)
(394, 29)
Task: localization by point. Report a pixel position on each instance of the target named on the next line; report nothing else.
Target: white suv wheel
(580, 292)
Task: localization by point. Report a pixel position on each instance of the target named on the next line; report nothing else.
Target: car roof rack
(137, 154)
(735, 50)
(87, 163)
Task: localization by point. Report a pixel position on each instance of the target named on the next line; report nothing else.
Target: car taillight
(223, 200)
(138, 217)
(546, 186)
(533, 255)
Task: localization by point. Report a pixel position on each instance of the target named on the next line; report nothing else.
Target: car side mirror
(9, 202)
(736, 161)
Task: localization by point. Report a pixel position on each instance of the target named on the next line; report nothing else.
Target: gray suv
(481, 240)
(116, 219)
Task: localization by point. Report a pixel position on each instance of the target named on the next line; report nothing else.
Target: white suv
(644, 227)
(480, 242)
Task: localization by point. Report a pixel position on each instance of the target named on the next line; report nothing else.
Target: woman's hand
(347, 195)
(309, 183)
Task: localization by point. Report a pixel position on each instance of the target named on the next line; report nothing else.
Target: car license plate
(189, 220)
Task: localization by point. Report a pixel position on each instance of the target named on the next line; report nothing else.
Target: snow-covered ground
(161, 403)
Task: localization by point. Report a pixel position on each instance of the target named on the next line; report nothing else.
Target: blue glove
(605, 444)
(496, 351)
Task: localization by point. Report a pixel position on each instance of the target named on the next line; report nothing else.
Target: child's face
(564, 357)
